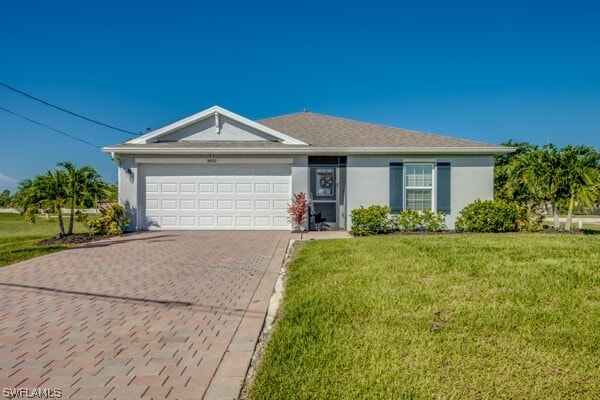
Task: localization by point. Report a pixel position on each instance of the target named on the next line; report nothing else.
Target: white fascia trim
(219, 161)
(314, 150)
(209, 112)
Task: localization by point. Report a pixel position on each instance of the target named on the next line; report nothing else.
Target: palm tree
(44, 192)
(539, 172)
(68, 186)
(81, 184)
(580, 170)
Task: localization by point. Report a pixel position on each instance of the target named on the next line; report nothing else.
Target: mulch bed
(77, 238)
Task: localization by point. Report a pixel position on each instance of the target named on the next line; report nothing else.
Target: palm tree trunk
(570, 213)
(555, 215)
(61, 223)
(70, 232)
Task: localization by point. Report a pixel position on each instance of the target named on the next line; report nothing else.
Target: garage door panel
(243, 222)
(188, 221)
(281, 188)
(205, 205)
(187, 205)
(262, 205)
(280, 205)
(280, 222)
(243, 188)
(262, 221)
(224, 205)
(262, 188)
(168, 221)
(206, 188)
(152, 205)
(206, 222)
(170, 204)
(224, 188)
(187, 188)
(170, 187)
(243, 205)
(225, 222)
(209, 197)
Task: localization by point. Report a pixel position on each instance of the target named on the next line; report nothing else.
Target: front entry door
(325, 197)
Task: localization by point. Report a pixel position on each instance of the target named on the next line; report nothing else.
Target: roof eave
(311, 150)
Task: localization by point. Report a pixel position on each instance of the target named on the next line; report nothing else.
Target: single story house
(218, 170)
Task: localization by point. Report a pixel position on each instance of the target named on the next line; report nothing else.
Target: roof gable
(215, 124)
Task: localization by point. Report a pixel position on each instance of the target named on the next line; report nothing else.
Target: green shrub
(376, 219)
(371, 220)
(433, 222)
(528, 219)
(489, 216)
(110, 221)
(407, 220)
(412, 220)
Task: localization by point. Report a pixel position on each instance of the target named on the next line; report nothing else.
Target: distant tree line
(549, 179)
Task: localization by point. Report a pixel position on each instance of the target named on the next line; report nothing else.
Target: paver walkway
(150, 315)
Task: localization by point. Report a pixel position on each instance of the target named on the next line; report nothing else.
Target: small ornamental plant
(298, 212)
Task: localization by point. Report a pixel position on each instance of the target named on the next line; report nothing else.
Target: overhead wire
(67, 111)
(51, 128)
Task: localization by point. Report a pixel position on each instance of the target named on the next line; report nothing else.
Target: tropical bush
(497, 216)
(110, 222)
(298, 211)
(373, 220)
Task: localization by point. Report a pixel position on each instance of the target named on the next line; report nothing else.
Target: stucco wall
(128, 188)
(472, 178)
(367, 181)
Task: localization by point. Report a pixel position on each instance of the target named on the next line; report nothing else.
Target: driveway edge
(229, 378)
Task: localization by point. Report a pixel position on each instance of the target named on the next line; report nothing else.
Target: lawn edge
(273, 315)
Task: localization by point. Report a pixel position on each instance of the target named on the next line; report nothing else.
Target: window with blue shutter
(396, 187)
(443, 187)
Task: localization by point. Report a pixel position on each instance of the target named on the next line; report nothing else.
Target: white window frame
(405, 187)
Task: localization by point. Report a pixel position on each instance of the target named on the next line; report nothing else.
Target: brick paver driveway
(149, 315)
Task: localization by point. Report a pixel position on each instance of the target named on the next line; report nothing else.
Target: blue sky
(486, 71)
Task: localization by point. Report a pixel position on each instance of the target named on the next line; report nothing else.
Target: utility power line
(51, 128)
(67, 111)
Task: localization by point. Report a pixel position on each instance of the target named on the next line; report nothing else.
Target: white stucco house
(218, 170)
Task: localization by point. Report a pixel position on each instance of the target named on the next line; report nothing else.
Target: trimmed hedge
(376, 219)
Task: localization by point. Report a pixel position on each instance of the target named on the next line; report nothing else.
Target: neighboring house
(219, 170)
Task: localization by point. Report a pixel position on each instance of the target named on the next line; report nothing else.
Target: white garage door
(211, 197)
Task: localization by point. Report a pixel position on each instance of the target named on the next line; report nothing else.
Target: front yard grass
(513, 316)
(18, 237)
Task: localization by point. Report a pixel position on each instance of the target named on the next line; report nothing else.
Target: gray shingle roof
(323, 135)
(325, 131)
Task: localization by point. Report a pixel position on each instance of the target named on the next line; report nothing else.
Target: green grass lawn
(513, 316)
(18, 237)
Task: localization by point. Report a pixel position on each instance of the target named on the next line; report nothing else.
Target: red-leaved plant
(298, 211)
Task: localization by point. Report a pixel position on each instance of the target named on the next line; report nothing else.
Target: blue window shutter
(396, 187)
(443, 187)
